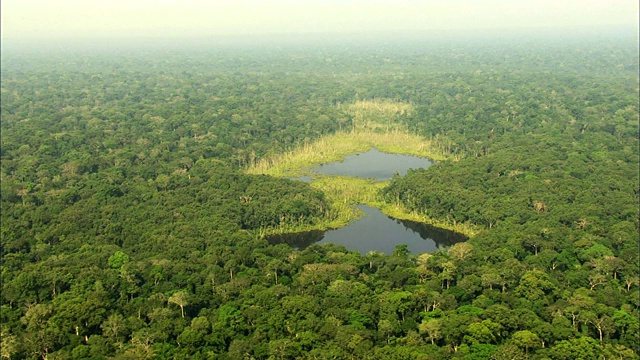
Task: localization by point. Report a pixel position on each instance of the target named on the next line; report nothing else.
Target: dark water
(376, 231)
(373, 164)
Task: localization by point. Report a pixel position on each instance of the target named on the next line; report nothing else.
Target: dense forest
(131, 230)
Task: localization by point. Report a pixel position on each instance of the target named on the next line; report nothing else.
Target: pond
(376, 231)
(373, 164)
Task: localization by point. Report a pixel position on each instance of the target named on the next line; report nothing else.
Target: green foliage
(131, 230)
(579, 348)
(118, 259)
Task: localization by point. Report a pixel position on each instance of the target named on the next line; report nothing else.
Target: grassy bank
(336, 146)
(344, 192)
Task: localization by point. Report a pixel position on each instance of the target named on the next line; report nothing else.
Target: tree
(163, 181)
(386, 328)
(396, 303)
(490, 278)
(179, 298)
(40, 338)
(113, 325)
(534, 285)
(454, 327)
(580, 348)
(429, 300)
(509, 352)
(470, 283)
(484, 332)
(375, 258)
(276, 265)
(599, 317)
(630, 279)
(448, 273)
(431, 328)
(627, 326)
(231, 265)
(579, 302)
(619, 352)
(118, 259)
(401, 251)
(596, 280)
(525, 339)
(423, 270)
(141, 345)
(8, 345)
(461, 251)
(283, 348)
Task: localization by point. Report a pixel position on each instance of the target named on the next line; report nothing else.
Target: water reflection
(376, 231)
(442, 237)
(373, 164)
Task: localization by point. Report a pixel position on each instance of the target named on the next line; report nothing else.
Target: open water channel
(373, 164)
(375, 230)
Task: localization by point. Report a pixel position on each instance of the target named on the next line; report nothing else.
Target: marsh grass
(335, 147)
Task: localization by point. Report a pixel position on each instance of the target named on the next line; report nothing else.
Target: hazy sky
(99, 18)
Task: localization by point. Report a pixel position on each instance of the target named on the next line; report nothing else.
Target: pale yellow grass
(336, 146)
